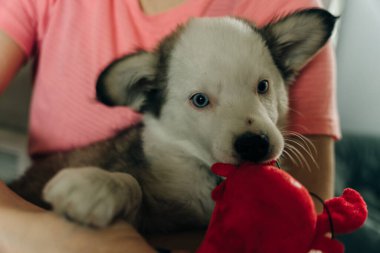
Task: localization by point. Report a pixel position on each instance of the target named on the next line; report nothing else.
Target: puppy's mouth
(255, 147)
(268, 158)
(232, 157)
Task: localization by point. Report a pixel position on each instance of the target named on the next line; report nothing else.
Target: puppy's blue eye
(263, 87)
(200, 100)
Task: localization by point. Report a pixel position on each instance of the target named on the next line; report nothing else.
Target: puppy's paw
(93, 196)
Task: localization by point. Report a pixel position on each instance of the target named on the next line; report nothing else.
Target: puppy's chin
(232, 158)
(276, 150)
(225, 156)
(274, 155)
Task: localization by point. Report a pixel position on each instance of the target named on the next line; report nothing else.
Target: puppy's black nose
(252, 147)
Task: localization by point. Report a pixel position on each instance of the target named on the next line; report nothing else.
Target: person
(73, 41)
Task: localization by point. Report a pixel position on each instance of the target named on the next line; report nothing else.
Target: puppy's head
(220, 84)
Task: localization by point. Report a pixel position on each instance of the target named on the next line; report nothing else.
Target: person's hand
(26, 228)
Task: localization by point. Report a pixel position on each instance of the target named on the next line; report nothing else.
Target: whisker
(304, 139)
(285, 152)
(307, 151)
(290, 151)
(303, 158)
(299, 155)
(300, 146)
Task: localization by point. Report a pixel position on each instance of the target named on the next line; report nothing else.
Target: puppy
(213, 91)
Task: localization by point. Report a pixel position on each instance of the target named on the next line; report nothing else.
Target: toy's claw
(348, 213)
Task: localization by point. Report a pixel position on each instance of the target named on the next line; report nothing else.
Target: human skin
(27, 228)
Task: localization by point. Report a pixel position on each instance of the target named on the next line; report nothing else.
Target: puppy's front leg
(93, 196)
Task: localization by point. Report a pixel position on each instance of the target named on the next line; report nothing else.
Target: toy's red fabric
(262, 209)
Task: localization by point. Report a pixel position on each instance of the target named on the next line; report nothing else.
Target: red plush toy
(262, 209)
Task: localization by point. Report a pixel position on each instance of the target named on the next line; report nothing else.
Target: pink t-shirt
(75, 40)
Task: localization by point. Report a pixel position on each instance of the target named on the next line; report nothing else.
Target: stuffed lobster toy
(262, 209)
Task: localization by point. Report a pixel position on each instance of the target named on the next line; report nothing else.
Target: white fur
(224, 59)
(179, 163)
(93, 196)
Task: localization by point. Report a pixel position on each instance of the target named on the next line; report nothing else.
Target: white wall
(358, 55)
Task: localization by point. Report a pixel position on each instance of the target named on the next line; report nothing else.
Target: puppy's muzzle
(252, 147)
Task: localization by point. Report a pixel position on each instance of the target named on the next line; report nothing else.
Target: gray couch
(358, 166)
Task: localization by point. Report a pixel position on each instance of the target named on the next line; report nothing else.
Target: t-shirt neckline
(185, 9)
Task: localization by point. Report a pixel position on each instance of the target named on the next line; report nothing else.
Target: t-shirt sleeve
(313, 105)
(18, 19)
(312, 98)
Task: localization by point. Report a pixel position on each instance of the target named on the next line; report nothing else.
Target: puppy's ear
(296, 38)
(128, 81)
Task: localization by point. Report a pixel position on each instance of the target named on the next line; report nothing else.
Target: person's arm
(12, 57)
(27, 228)
(319, 177)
